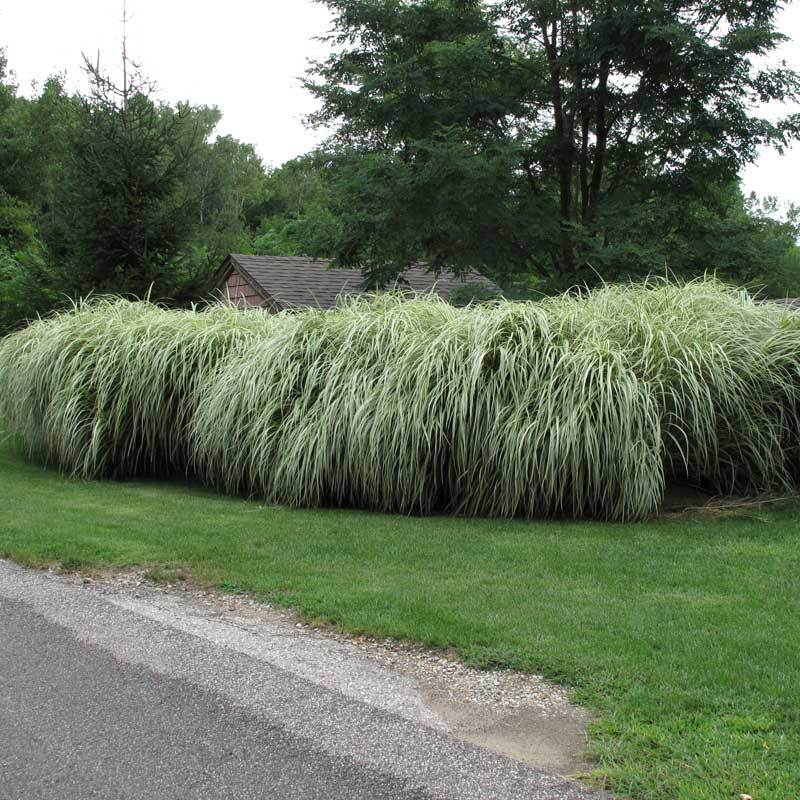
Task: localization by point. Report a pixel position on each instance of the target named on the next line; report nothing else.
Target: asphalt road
(103, 697)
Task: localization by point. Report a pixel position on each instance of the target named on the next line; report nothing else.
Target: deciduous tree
(533, 134)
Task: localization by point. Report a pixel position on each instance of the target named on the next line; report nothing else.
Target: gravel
(435, 670)
(415, 714)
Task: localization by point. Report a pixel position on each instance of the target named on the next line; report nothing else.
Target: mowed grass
(682, 635)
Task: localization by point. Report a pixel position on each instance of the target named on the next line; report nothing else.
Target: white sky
(244, 56)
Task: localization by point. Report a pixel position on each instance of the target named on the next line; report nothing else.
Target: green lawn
(683, 635)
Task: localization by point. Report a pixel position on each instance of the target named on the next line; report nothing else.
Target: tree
(779, 226)
(124, 214)
(533, 134)
(114, 191)
(227, 180)
(25, 288)
(293, 212)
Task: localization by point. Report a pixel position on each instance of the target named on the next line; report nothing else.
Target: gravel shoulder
(515, 714)
(389, 702)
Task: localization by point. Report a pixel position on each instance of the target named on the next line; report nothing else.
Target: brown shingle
(292, 281)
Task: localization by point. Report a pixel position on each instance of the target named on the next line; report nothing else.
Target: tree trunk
(601, 133)
(583, 160)
(564, 149)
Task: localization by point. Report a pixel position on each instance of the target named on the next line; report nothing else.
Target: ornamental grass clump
(106, 389)
(415, 406)
(583, 404)
(722, 369)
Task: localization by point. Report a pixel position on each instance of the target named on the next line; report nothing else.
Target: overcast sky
(244, 56)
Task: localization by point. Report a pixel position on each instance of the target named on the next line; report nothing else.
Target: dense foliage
(117, 191)
(545, 144)
(560, 139)
(580, 404)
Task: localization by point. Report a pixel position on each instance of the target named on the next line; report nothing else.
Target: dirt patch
(679, 497)
(554, 743)
(683, 500)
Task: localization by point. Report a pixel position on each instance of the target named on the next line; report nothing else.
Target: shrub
(583, 404)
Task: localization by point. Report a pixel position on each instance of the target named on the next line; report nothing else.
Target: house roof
(287, 282)
(791, 302)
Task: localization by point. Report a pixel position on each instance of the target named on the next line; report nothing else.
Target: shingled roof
(290, 282)
(792, 302)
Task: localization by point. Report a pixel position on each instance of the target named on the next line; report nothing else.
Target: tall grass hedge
(107, 389)
(583, 404)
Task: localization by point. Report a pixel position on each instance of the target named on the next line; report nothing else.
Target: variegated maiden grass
(583, 404)
(106, 389)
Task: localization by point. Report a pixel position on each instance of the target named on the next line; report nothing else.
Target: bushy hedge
(584, 404)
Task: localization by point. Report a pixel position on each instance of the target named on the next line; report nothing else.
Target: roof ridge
(309, 281)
